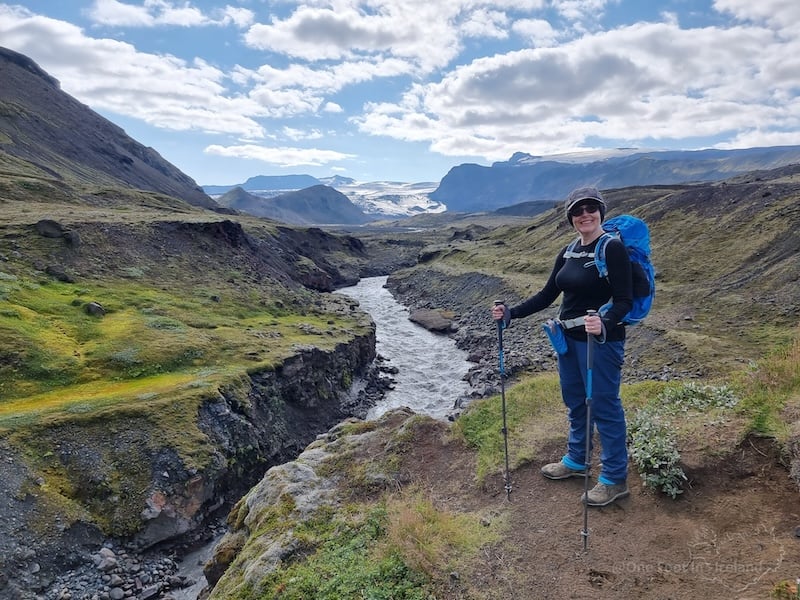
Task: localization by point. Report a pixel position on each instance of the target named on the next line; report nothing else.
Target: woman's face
(586, 216)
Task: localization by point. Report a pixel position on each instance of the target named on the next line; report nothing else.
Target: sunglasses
(577, 211)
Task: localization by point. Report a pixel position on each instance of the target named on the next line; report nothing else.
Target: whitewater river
(430, 369)
(429, 379)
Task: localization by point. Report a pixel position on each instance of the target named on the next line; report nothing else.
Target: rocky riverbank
(116, 573)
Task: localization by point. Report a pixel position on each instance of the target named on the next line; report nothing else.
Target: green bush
(654, 450)
(653, 444)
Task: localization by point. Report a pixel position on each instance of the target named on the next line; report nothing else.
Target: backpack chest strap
(570, 251)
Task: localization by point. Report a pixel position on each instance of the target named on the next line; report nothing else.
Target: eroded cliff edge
(218, 351)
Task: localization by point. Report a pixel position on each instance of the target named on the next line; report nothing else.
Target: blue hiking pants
(607, 412)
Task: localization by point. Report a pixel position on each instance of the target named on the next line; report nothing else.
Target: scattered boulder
(72, 238)
(95, 309)
(49, 228)
(432, 320)
(59, 273)
(53, 229)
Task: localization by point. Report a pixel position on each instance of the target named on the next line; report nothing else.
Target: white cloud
(581, 10)
(633, 84)
(300, 134)
(573, 82)
(149, 14)
(282, 156)
(323, 34)
(538, 31)
(486, 24)
(782, 13)
(111, 12)
(160, 13)
(387, 28)
(241, 17)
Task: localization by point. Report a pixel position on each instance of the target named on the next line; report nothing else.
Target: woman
(575, 276)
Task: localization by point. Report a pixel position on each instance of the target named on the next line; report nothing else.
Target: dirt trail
(731, 535)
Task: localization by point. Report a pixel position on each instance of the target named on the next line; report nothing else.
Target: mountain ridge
(315, 205)
(525, 178)
(47, 134)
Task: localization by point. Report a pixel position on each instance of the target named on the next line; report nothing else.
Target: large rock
(432, 320)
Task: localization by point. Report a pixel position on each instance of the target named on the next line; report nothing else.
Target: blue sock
(571, 464)
(606, 481)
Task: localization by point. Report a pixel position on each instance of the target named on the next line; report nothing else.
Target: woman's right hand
(499, 311)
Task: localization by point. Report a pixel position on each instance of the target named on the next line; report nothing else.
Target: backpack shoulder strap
(600, 253)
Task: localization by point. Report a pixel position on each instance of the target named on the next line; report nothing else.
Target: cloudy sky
(403, 90)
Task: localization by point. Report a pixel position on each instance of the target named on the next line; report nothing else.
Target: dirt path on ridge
(731, 535)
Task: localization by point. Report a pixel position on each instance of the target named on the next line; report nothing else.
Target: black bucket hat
(585, 193)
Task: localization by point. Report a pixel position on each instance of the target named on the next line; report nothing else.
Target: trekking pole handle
(505, 318)
(592, 313)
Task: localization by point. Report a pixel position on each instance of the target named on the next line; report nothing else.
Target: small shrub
(786, 590)
(653, 445)
(654, 451)
(429, 539)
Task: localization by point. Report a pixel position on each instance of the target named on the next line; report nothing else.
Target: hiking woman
(575, 276)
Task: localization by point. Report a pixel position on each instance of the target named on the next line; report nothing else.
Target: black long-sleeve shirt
(584, 289)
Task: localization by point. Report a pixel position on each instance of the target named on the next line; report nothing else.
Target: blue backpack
(636, 236)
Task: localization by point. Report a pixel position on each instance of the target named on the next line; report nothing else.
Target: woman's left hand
(593, 324)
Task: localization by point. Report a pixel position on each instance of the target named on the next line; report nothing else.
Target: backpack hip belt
(572, 323)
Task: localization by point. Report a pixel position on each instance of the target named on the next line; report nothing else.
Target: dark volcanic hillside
(53, 136)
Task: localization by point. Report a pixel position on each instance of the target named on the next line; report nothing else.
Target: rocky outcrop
(305, 487)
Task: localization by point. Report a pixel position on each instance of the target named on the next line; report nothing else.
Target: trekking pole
(500, 326)
(589, 365)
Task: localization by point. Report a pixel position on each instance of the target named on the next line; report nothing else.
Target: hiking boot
(558, 470)
(603, 494)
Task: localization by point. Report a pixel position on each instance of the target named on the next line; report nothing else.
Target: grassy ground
(150, 342)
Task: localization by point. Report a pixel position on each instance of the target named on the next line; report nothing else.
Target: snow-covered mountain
(390, 198)
(376, 198)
